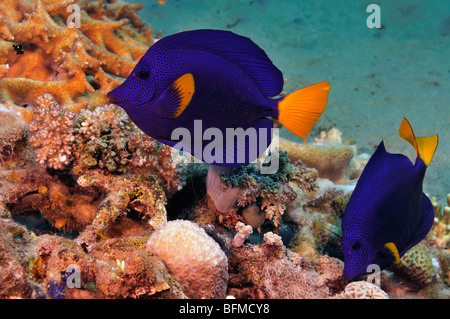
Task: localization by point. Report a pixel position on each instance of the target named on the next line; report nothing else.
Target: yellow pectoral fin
(185, 86)
(394, 251)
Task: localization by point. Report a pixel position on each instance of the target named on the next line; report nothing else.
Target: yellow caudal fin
(300, 110)
(424, 146)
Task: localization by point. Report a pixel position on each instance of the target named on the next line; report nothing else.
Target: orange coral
(68, 62)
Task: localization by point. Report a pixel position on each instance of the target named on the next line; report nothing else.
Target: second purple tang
(388, 213)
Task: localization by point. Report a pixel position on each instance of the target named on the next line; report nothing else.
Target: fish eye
(144, 75)
(356, 245)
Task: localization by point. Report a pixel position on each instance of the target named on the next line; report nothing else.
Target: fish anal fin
(177, 97)
(424, 146)
(394, 251)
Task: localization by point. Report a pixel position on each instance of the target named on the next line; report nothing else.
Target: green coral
(417, 265)
(272, 192)
(240, 175)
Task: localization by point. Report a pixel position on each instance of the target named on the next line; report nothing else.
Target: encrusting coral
(77, 66)
(333, 160)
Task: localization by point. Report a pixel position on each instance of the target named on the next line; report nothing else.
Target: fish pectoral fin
(394, 251)
(177, 97)
(424, 146)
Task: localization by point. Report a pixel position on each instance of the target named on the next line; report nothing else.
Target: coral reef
(85, 196)
(39, 267)
(268, 271)
(78, 66)
(102, 138)
(13, 134)
(362, 290)
(193, 258)
(272, 192)
(53, 130)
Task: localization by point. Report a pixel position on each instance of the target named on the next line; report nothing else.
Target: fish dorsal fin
(177, 97)
(238, 49)
(424, 146)
(374, 172)
(394, 251)
(380, 169)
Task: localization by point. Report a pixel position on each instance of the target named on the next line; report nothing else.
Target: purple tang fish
(388, 213)
(219, 87)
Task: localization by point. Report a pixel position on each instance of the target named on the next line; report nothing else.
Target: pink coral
(193, 258)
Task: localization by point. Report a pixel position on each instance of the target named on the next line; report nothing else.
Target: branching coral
(12, 133)
(53, 132)
(64, 61)
(102, 138)
(440, 232)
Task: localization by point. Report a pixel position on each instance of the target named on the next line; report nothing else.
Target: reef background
(81, 185)
(377, 75)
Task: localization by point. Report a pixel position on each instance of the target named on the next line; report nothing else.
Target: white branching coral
(243, 231)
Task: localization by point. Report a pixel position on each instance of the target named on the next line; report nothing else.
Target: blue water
(377, 75)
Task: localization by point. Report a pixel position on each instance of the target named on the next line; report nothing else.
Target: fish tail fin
(300, 110)
(424, 146)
